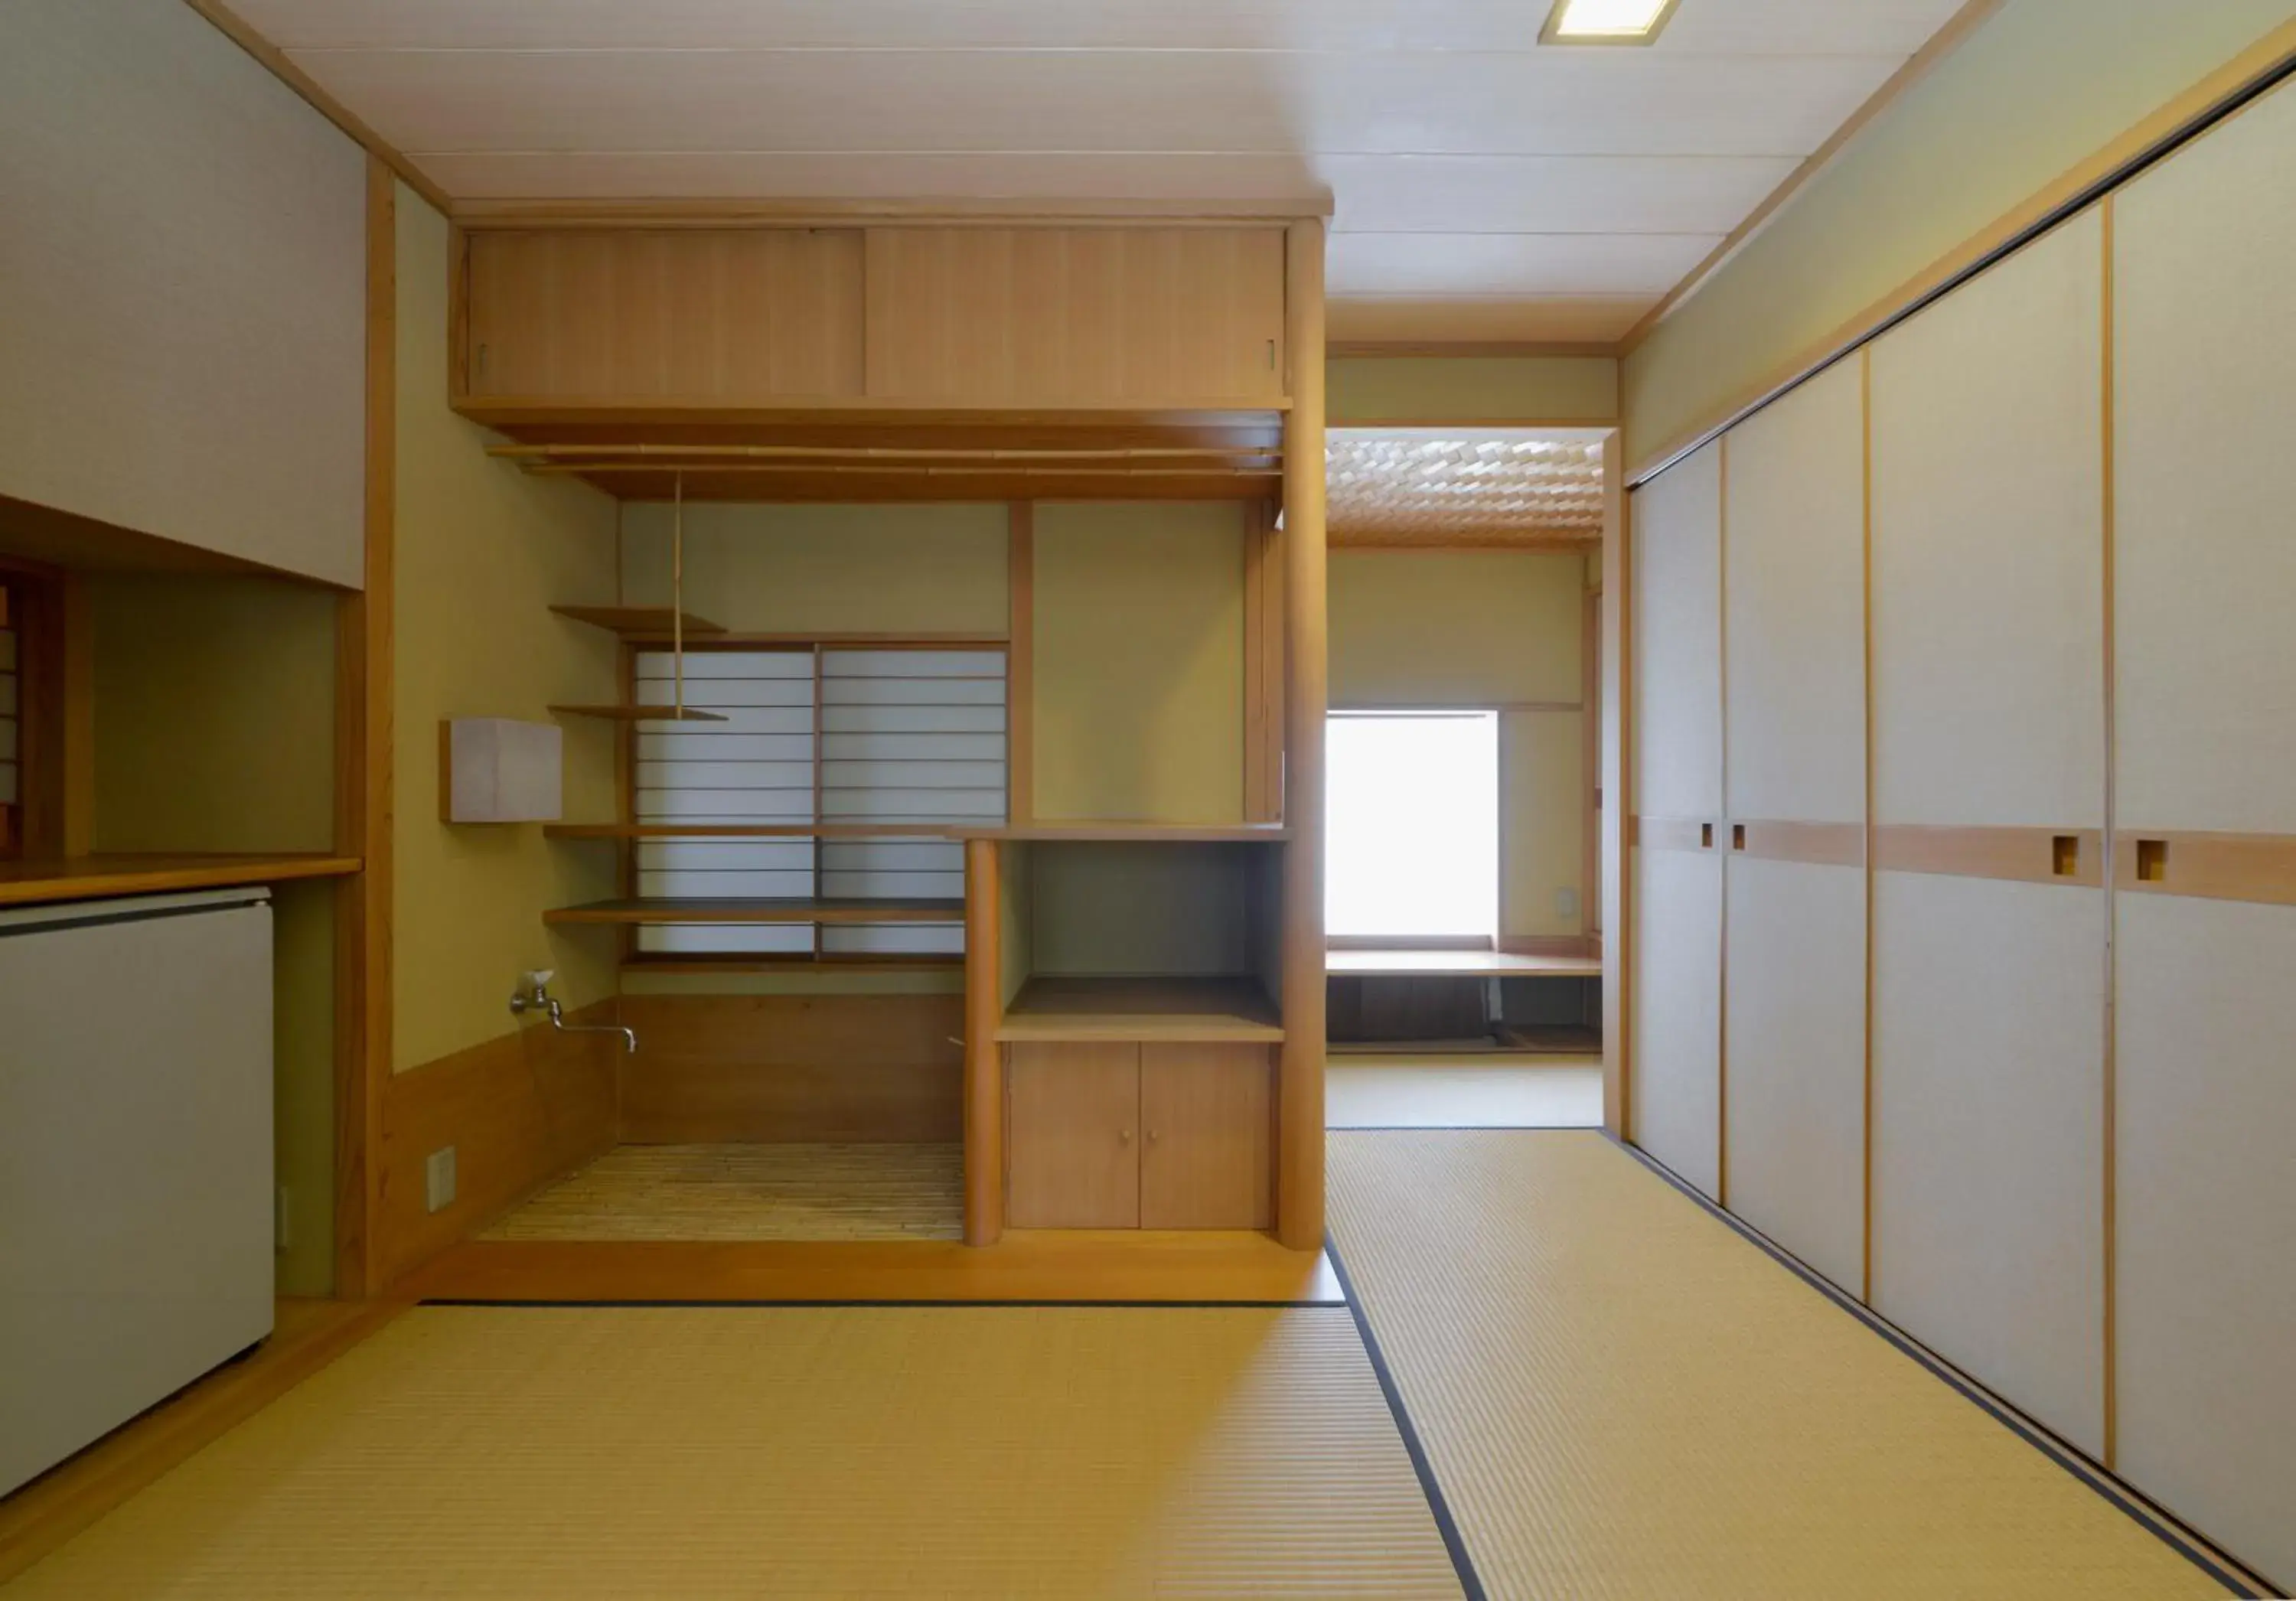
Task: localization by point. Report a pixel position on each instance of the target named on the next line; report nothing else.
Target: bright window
(1412, 825)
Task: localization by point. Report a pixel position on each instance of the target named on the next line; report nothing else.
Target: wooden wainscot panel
(1090, 315)
(618, 316)
(2040, 856)
(519, 1110)
(774, 1068)
(2259, 867)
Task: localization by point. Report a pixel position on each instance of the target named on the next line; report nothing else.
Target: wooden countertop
(1456, 964)
(95, 877)
(1116, 832)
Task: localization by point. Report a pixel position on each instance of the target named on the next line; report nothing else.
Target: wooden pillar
(984, 1076)
(1299, 1100)
(1617, 684)
(363, 783)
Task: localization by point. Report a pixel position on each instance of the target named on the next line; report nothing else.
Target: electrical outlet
(282, 1223)
(1566, 903)
(439, 1179)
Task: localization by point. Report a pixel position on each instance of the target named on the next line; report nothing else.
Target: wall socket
(439, 1179)
(1566, 903)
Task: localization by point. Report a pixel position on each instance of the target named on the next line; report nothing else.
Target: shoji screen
(1794, 588)
(2205, 640)
(1989, 796)
(1677, 984)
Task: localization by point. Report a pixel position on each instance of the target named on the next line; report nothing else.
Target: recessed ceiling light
(1605, 21)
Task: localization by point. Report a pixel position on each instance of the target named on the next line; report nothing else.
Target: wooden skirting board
(1123, 1265)
(519, 1110)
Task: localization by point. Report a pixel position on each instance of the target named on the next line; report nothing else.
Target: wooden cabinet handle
(1152, 1137)
(1124, 1136)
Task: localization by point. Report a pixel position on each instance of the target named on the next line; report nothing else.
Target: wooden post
(984, 1078)
(1021, 663)
(362, 783)
(1300, 1095)
(1618, 683)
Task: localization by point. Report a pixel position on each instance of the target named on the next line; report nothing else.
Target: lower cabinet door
(1072, 1138)
(1206, 1116)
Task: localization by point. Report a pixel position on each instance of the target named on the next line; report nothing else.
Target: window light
(1605, 21)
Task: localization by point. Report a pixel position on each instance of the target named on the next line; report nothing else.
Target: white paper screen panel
(907, 736)
(1677, 1012)
(1795, 600)
(1677, 680)
(2206, 1118)
(2205, 449)
(1988, 546)
(1796, 1046)
(1988, 1120)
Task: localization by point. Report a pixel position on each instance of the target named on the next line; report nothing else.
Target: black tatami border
(1454, 1542)
(2154, 1520)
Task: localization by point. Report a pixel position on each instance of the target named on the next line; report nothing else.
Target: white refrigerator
(135, 1158)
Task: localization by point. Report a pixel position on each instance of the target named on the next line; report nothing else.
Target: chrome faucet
(533, 995)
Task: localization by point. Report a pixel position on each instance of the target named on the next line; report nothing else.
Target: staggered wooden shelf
(1456, 964)
(94, 877)
(642, 714)
(1142, 832)
(1161, 1009)
(640, 622)
(748, 830)
(653, 910)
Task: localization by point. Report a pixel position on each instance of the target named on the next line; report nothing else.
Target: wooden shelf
(1153, 1009)
(629, 620)
(748, 830)
(1457, 964)
(1201, 833)
(94, 877)
(641, 714)
(760, 911)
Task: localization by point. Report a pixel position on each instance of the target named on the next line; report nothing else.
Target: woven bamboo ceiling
(1419, 487)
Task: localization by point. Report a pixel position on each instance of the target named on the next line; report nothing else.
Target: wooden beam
(1021, 663)
(939, 211)
(1618, 777)
(364, 779)
(276, 63)
(984, 1074)
(1299, 1092)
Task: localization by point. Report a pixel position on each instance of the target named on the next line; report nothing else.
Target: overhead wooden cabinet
(1990, 794)
(1676, 934)
(1030, 317)
(1794, 633)
(2205, 453)
(726, 315)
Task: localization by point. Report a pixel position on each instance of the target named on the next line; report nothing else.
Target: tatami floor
(1555, 1376)
(1486, 1090)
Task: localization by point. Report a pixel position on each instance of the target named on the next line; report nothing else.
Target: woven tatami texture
(1621, 1397)
(817, 1452)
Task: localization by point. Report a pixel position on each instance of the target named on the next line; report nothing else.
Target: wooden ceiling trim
(939, 211)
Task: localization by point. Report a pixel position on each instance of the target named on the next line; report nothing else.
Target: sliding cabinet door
(1674, 1030)
(2205, 593)
(1794, 562)
(1989, 797)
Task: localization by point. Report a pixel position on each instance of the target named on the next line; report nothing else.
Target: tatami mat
(1621, 1397)
(752, 1191)
(746, 1452)
(1454, 1092)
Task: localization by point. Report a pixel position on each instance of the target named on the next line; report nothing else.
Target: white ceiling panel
(1485, 188)
(1759, 27)
(1512, 264)
(1482, 319)
(1544, 102)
